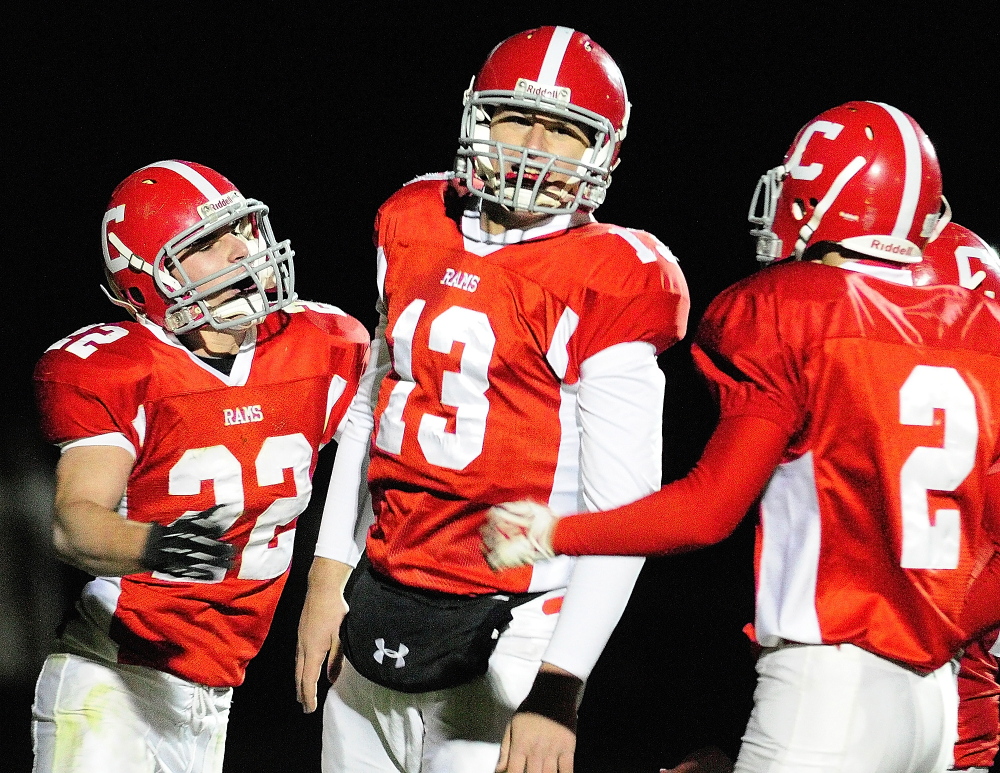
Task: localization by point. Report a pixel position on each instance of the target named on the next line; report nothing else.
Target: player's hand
(536, 743)
(518, 533)
(542, 734)
(711, 759)
(319, 629)
(190, 548)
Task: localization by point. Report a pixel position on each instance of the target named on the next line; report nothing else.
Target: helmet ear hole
(798, 209)
(135, 295)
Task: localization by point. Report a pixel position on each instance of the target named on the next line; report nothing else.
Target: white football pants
(371, 729)
(841, 709)
(95, 717)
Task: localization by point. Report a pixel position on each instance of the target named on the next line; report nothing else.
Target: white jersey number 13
(464, 389)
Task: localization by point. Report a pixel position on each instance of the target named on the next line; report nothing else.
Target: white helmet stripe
(914, 172)
(838, 185)
(554, 55)
(205, 188)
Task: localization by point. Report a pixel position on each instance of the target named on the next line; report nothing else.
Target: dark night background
(322, 115)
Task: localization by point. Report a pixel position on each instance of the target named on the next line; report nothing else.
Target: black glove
(189, 548)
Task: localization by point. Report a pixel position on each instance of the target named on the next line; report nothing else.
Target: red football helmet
(158, 212)
(863, 175)
(948, 260)
(562, 73)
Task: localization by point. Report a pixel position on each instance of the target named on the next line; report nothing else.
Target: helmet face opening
(163, 212)
(862, 175)
(561, 74)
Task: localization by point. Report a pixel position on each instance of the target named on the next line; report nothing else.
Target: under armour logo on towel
(381, 652)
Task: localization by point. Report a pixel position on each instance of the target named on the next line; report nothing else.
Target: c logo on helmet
(117, 215)
(829, 130)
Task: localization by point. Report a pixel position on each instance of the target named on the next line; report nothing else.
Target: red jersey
(871, 527)
(979, 705)
(487, 344)
(248, 441)
(879, 505)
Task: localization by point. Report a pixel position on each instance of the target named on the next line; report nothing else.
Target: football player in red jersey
(189, 438)
(863, 411)
(516, 356)
(959, 256)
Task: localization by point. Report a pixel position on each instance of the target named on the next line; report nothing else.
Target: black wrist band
(554, 696)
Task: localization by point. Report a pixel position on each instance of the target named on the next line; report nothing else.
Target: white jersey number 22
(267, 553)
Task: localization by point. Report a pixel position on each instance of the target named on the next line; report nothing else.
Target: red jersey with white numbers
(872, 525)
(247, 441)
(487, 343)
(979, 705)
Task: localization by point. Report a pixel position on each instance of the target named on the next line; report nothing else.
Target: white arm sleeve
(347, 512)
(620, 412)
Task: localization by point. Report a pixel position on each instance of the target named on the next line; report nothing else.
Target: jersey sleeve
(84, 394)
(349, 346)
(637, 293)
(751, 365)
(739, 351)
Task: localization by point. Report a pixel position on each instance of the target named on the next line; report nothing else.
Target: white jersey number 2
(935, 545)
(464, 389)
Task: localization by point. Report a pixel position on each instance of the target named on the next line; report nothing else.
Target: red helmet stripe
(912, 170)
(205, 188)
(554, 55)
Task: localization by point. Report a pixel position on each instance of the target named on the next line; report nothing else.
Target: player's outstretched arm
(319, 628)
(542, 733)
(700, 509)
(87, 531)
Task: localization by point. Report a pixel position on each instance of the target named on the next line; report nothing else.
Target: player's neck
(494, 219)
(206, 342)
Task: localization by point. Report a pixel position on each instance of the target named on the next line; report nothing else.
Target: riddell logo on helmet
(537, 90)
(220, 203)
(896, 249)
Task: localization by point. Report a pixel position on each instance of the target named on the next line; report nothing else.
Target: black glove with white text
(189, 548)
